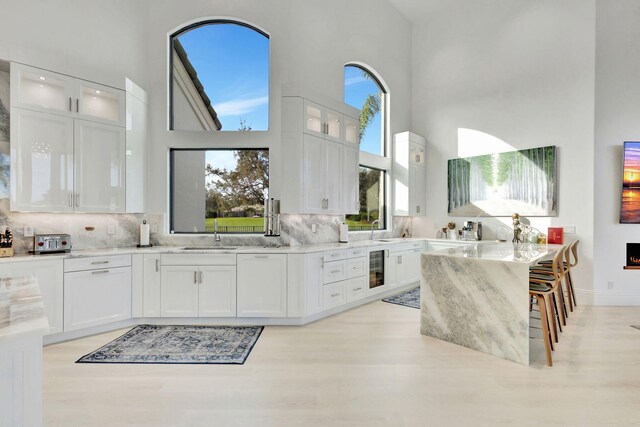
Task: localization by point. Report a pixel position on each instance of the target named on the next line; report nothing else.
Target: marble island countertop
(524, 253)
(21, 308)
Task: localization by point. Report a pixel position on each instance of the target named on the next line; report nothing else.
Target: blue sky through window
(356, 89)
(232, 62)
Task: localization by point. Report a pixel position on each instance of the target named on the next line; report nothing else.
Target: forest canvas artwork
(503, 183)
(630, 206)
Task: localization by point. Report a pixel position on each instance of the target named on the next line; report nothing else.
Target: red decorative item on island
(555, 235)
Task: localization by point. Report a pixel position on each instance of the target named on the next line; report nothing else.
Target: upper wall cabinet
(320, 157)
(41, 90)
(409, 174)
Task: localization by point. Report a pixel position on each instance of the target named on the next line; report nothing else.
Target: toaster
(51, 243)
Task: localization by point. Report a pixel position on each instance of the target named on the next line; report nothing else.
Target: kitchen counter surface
(21, 308)
(299, 249)
(497, 251)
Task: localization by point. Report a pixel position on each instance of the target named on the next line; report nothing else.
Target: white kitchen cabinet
(409, 174)
(198, 285)
(99, 172)
(262, 285)
(403, 268)
(334, 295)
(320, 163)
(41, 162)
(355, 288)
(217, 291)
(42, 90)
(179, 291)
(305, 273)
(151, 286)
(137, 141)
(322, 121)
(96, 297)
(50, 280)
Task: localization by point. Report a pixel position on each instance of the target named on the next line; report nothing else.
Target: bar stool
(552, 280)
(569, 265)
(542, 292)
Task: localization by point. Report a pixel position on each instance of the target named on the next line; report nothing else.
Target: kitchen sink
(209, 248)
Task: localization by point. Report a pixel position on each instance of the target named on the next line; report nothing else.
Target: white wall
(520, 71)
(616, 120)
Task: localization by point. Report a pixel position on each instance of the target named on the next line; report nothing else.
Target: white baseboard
(609, 298)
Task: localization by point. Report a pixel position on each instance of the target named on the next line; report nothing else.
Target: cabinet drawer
(356, 252)
(355, 288)
(335, 271)
(198, 259)
(335, 255)
(356, 267)
(417, 245)
(333, 295)
(94, 263)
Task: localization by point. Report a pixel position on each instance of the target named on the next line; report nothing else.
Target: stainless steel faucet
(376, 221)
(216, 237)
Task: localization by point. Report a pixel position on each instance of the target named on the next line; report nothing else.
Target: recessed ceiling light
(98, 92)
(41, 85)
(42, 78)
(95, 97)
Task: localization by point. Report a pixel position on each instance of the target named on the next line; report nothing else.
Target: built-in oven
(377, 267)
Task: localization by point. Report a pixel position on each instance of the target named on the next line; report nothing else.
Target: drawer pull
(335, 295)
(335, 271)
(100, 272)
(99, 262)
(157, 265)
(195, 277)
(357, 289)
(356, 267)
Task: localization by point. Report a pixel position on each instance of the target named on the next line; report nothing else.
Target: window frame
(176, 32)
(374, 161)
(172, 150)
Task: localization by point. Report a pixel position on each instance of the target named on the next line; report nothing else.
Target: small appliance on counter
(271, 217)
(51, 243)
(344, 233)
(472, 230)
(144, 235)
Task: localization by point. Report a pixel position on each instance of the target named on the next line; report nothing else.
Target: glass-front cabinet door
(41, 90)
(313, 120)
(99, 103)
(41, 162)
(333, 122)
(351, 131)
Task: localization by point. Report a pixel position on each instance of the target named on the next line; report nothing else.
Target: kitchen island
(477, 296)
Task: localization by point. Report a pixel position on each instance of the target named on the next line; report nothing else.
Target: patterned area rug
(409, 298)
(179, 344)
(635, 326)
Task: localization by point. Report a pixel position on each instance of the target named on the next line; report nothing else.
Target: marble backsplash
(295, 230)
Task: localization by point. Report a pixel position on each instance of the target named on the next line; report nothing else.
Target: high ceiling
(414, 11)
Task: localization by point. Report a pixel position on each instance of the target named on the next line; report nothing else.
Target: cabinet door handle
(70, 199)
(157, 265)
(357, 289)
(327, 203)
(356, 267)
(195, 277)
(77, 200)
(400, 259)
(100, 272)
(334, 295)
(200, 277)
(261, 256)
(70, 108)
(417, 208)
(335, 271)
(99, 262)
(77, 105)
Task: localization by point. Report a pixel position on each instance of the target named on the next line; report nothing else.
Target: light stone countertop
(298, 249)
(21, 308)
(522, 253)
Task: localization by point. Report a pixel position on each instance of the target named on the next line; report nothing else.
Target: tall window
(219, 77)
(365, 92)
(227, 187)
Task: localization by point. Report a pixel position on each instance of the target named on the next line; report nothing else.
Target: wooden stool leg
(557, 295)
(549, 311)
(573, 291)
(546, 335)
(567, 283)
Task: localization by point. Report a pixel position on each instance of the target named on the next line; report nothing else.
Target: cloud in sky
(353, 80)
(240, 106)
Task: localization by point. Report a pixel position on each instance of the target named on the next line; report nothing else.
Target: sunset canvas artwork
(630, 206)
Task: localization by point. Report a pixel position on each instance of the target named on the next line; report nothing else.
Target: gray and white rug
(179, 344)
(410, 298)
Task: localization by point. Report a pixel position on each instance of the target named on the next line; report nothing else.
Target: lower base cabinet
(96, 297)
(262, 285)
(198, 291)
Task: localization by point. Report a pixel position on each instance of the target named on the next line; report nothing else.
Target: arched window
(364, 91)
(219, 77)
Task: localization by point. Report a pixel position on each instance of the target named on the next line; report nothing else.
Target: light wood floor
(366, 367)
